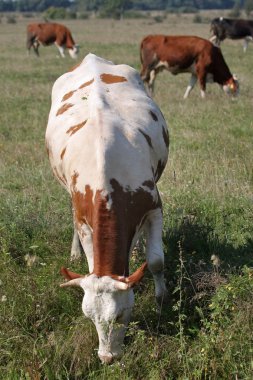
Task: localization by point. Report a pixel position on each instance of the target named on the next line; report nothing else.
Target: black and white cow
(235, 29)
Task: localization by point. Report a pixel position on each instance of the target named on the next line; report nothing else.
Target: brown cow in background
(48, 34)
(185, 54)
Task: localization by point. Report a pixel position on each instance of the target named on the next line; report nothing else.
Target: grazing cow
(235, 29)
(108, 145)
(48, 34)
(181, 54)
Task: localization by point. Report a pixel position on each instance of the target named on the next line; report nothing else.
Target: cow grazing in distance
(235, 29)
(48, 34)
(108, 145)
(185, 54)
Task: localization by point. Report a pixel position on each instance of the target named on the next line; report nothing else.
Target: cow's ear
(136, 277)
(69, 275)
(74, 279)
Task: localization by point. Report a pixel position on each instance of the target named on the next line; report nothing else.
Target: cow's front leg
(154, 253)
(61, 50)
(36, 45)
(201, 73)
(76, 247)
(86, 239)
(192, 83)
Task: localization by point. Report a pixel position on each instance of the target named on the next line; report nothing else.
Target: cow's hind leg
(192, 83)
(86, 240)
(36, 45)
(151, 82)
(154, 253)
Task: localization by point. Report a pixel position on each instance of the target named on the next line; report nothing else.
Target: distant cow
(108, 145)
(48, 34)
(234, 29)
(182, 54)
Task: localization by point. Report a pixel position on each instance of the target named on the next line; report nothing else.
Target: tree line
(121, 5)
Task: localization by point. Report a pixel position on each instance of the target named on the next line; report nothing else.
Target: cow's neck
(110, 240)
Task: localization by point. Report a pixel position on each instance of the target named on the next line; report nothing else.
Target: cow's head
(231, 87)
(108, 302)
(73, 52)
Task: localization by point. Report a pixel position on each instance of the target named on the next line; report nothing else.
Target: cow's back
(174, 49)
(102, 124)
(48, 33)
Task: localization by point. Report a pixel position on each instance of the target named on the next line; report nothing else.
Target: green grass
(205, 330)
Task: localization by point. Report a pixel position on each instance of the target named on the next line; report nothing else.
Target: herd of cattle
(177, 54)
(107, 143)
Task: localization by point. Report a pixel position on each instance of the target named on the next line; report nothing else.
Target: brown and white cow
(182, 54)
(48, 34)
(108, 145)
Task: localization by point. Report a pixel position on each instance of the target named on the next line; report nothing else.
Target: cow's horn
(119, 285)
(74, 282)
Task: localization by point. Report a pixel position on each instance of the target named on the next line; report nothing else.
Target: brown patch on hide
(68, 95)
(64, 108)
(76, 128)
(82, 202)
(86, 84)
(74, 67)
(113, 228)
(63, 152)
(117, 228)
(111, 79)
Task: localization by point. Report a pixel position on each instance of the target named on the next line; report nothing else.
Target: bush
(28, 15)
(158, 18)
(71, 15)
(135, 15)
(83, 16)
(197, 19)
(11, 20)
(54, 13)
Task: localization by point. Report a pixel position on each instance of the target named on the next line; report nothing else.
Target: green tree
(116, 8)
(89, 5)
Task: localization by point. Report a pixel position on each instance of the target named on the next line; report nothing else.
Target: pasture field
(205, 329)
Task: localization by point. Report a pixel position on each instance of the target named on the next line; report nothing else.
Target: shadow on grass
(196, 264)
